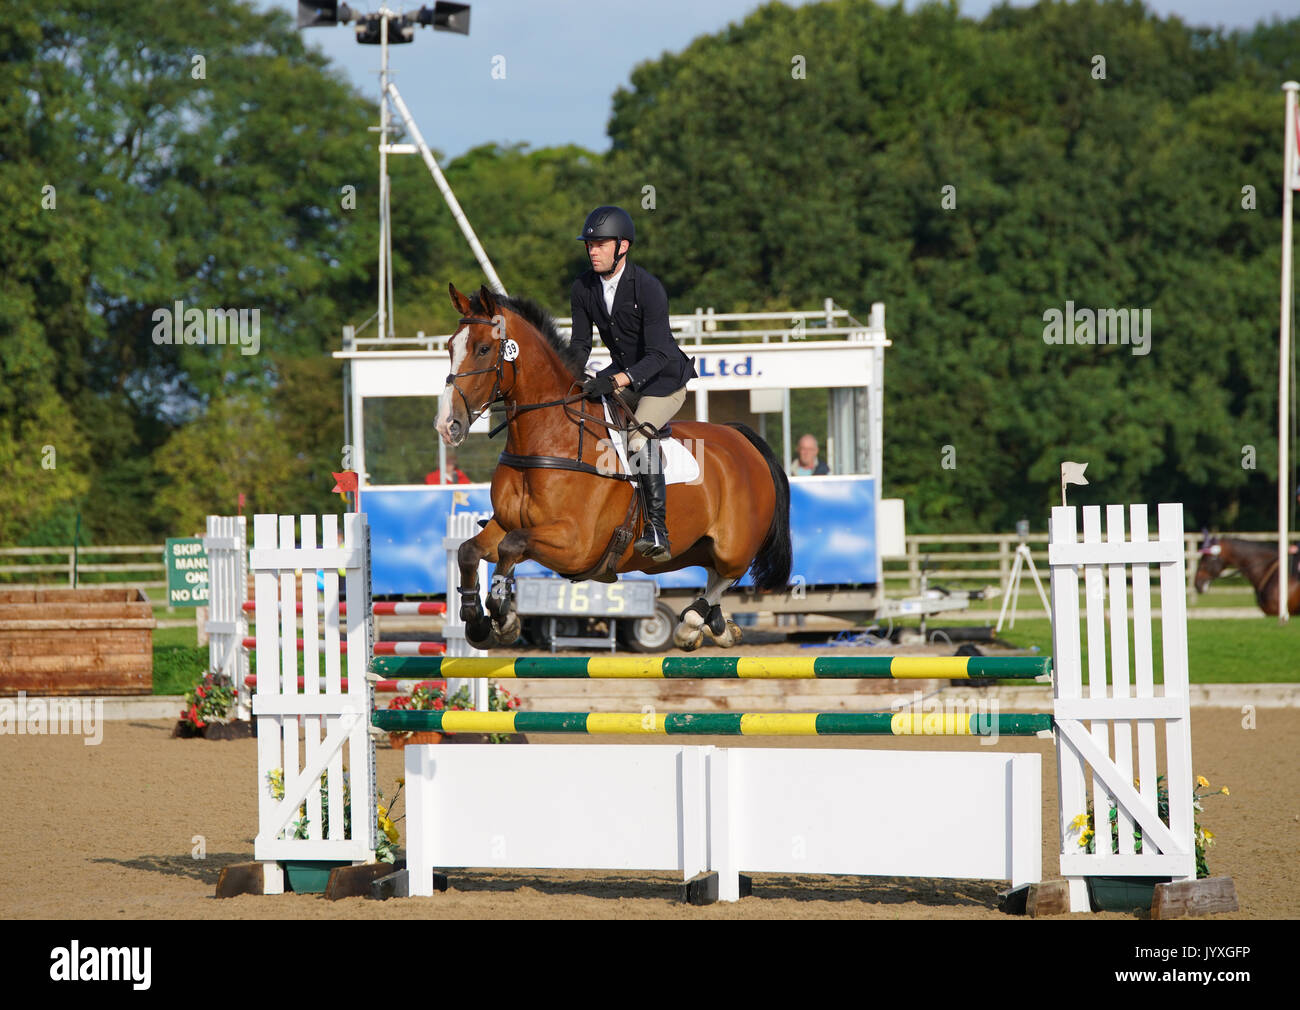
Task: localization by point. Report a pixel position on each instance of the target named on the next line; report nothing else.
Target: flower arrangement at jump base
(431, 695)
(388, 833)
(1202, 837)
(208, 701)
(207, 711)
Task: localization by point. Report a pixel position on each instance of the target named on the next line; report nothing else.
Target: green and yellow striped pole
(717, 667)
(717, 723)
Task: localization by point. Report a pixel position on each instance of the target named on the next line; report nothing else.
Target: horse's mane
(571, 357)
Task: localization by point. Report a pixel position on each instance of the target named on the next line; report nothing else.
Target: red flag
(1295, 153)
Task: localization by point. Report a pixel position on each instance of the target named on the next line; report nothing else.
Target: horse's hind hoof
(730, 636)
(690, 641)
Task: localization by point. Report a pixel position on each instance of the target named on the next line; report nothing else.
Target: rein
(513, 410)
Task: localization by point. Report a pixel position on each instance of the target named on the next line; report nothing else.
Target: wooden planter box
(76, 641)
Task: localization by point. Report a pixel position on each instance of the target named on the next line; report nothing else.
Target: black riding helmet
(609, 222)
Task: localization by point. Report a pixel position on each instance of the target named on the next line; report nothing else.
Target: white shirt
(610, 285)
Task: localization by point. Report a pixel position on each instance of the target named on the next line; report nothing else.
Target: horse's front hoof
(478, 632)
(507, 633)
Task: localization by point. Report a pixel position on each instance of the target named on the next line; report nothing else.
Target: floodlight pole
(452, 203)
(388, 94)
(385, 216)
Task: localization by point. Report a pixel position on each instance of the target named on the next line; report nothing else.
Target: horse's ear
(488, 300)
(1205, 536)
(458, 301)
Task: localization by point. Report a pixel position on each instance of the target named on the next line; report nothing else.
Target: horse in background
(1255, 560)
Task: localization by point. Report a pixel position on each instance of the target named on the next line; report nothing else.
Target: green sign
(187, 572)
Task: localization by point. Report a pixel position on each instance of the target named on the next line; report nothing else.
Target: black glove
(598, 386)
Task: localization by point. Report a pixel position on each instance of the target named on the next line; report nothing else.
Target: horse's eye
(482, 350)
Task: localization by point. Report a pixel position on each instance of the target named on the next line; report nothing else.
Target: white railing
(705, 326)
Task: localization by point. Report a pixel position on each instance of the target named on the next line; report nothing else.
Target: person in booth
(807, 463)
(451, 474)
(629, 306)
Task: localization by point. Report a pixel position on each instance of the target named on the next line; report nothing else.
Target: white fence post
(331, 716)
(1116, 699)
(226, 544)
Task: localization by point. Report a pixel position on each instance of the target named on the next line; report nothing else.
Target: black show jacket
(636, 333)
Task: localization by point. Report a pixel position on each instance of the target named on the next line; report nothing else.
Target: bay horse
(555, 501)
(1257, 562)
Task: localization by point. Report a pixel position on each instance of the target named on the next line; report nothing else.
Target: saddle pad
(680, 467)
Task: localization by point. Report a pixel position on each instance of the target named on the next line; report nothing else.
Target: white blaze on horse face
(459, 349)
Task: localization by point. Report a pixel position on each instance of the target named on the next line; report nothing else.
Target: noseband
(497, 393)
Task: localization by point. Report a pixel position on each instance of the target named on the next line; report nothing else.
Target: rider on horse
(629, 307)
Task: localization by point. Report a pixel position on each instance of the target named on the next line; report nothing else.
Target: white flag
(1072, 473)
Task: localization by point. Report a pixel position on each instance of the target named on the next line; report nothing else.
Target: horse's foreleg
(706, 612)
(478, 627)
(501, 596)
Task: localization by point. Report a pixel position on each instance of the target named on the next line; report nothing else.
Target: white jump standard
(726, 811)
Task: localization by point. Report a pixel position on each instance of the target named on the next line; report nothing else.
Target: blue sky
(565, 58)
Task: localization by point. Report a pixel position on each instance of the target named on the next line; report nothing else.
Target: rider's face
(601, 253)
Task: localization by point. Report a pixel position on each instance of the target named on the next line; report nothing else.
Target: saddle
(622, 413)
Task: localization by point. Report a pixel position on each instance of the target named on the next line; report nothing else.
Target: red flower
(194, 716)
(437, 704)
(200, 692)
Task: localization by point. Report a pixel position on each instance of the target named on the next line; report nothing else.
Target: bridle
(513, 410)
(498, 394)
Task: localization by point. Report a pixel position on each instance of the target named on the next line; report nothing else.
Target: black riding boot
(653, 541)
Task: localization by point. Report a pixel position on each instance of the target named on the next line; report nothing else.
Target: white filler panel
(731, 810)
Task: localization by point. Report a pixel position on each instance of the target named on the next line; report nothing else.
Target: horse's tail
(771, 567)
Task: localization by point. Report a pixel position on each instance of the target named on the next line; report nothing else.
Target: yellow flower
(1225, 792)
(382, 810)
(401, 782)
(1209, 835)
(1202, 781)
(1079, 822)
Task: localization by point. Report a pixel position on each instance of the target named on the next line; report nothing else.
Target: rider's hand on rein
(597, 386)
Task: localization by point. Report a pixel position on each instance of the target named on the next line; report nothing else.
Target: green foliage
(798, 154)
(526, 208)
(141, 178)
(776, 191)
(177, 667)
(1220, 651)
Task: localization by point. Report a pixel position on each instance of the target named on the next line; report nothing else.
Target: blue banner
(832, 525)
